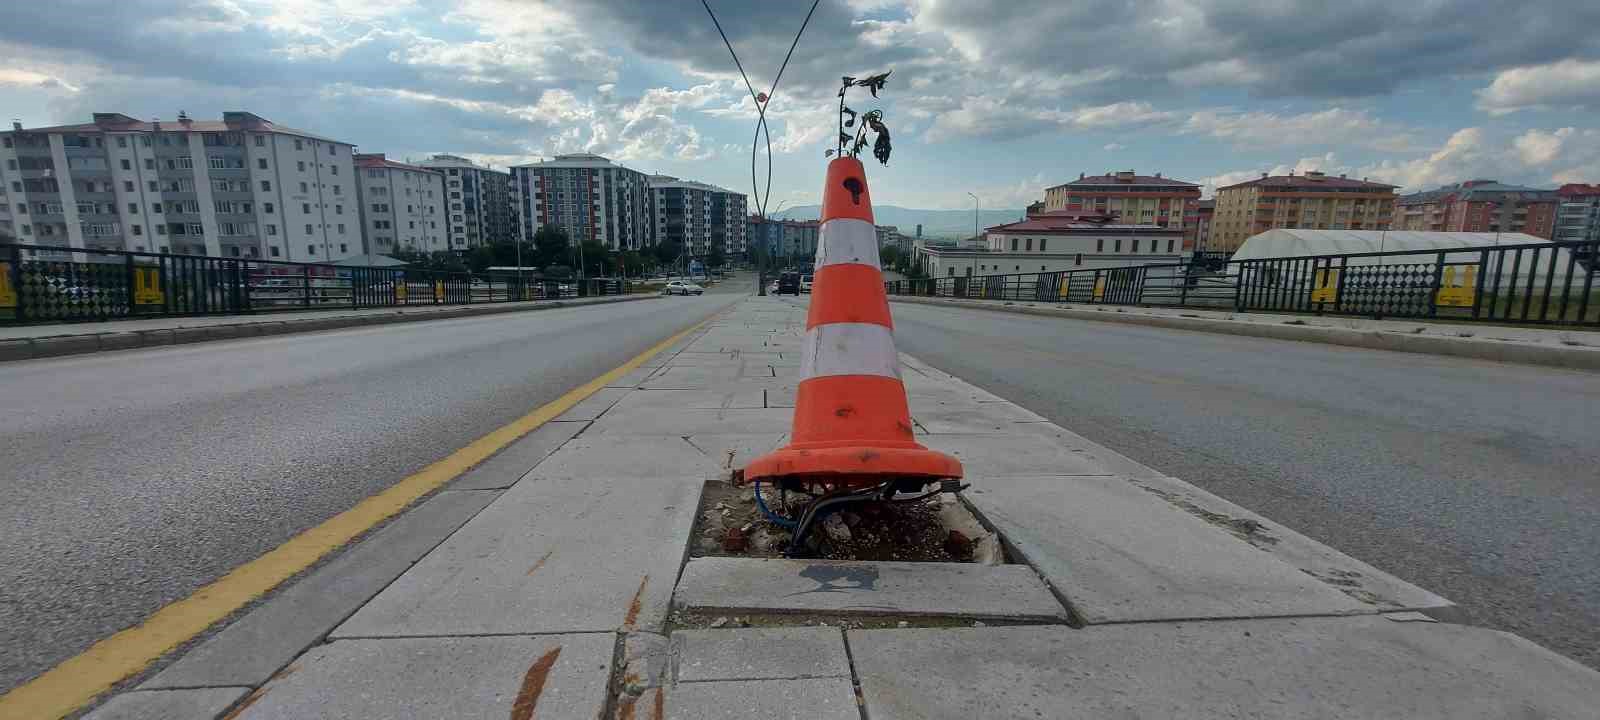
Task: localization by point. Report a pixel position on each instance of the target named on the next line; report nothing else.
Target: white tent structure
(1286, 242)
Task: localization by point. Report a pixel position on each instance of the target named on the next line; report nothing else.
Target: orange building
(1133, 199)
(1480, 206)
(1310, 201)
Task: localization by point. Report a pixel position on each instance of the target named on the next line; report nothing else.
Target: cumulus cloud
(1331, 126)
(1568, 83)
(1112, 147)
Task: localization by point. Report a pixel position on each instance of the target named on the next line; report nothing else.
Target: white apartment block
(239, 187)
(698, 216)
(477, 203)
(587, 195)
(402, 206)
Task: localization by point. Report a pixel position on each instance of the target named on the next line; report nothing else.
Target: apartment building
(784, 238)
(1578, 218)
(1313, 200)
(1197, 226)
(1050, 242)
(402, 206)
(587, 195)
(477, 202)
(1479, 206)
(1126, 195)
(701, 217)
(239, 187)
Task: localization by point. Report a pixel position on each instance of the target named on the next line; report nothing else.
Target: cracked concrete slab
(759, 654)
(813, 699)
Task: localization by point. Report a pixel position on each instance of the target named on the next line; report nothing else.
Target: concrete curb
(61, 345)
(1521, 353)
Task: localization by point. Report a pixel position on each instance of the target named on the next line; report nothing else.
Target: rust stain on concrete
(248, 701)
(661, 706)
(540, 564)
(626, 711)
(533, 685)
(633, 607)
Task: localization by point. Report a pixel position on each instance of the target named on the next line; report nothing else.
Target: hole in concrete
(939, 529)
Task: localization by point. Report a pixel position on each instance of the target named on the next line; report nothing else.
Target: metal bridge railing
(41, 284)
(1548, 283)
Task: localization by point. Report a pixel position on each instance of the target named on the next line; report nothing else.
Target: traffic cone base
(852, 424)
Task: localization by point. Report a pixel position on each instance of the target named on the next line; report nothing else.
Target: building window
(261, 163)
(155, 207)
(133, 208)
(336, 189)
(952, 272)
(305, 208)
(152, 185)
(344, 248)
(266, 208)
(333, 169)
(297, 144)
(161, 229)
(127, 186)
(233, 250)
(309, 230)
(196, 229)
(300, 165)
(261, 141)
(1079, 259)
(332, 150)
(273, 249)
(304, 188)
(1029, 245)
(338, 209)
(125, 164)
(266, 186)
(1041, 244)
(1117, 246)
(311, 249)
(273, 230)
(138, 229)
(1169, 244)
(1100, 245)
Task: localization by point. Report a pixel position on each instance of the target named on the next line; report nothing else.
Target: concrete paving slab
(191, 704)
(1365, 667)
(632, 378)
(1352, 576)
(621, 456)
(592, 554)
(991, 456)
(508, 466)
(593, 406)
(554, 676)
(252, 648)
(734, 450)
(972, 417)
(720, 584)
(1120, 554)
(690, 378)
(762, 370)
(760, 654)
(816, 699)
(782, 396)
(722, 397)
(639, 421)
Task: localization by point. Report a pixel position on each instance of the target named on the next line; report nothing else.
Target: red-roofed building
(1132, 198)
(402, 206)
(1579, 215)
(1054, 241)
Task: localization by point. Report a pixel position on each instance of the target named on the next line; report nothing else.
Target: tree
(595, 256)
(552, 246)
(715, 259)
(890, 256)
(668, 252)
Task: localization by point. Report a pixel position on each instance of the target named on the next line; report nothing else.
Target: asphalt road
(1476, 480)
(131, 478)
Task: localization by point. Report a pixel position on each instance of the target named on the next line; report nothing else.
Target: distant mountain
(935, 223)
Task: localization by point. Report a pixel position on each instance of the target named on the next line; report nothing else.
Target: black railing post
(1238, 288)
(305, 286)
(1338, 289)
(16, 283)
(1438, 278)
(128, 280)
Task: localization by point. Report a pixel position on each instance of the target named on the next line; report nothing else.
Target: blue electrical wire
(774, 517)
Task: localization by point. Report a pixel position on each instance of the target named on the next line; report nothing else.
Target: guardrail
(40, 284)
(1548, 283)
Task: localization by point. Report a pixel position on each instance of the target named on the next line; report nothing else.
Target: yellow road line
(79, 679)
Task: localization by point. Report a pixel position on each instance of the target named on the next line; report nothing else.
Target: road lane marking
(80, 679)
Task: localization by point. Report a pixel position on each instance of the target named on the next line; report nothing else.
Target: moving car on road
(789, 283)
(679, 287)
(805, 283)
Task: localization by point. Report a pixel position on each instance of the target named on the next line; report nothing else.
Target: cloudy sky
(999, 98)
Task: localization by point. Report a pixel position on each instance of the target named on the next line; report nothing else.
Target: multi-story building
(588, 196)
(402, 206)
(1132, 198)
(1579, 215)
(788, 240)
(1310, 201)
(239, 187)
(1197, 226)
(1479, 206)
(1051, 242)
(698, 216)
(477, 202)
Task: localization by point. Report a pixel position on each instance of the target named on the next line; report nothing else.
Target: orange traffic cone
(852, 427)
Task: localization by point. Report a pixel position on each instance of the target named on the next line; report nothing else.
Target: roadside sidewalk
(25, 342)
(556, 580)
(1533, 345)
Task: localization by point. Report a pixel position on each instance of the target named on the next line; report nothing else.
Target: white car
(805, 283)
(679, 287)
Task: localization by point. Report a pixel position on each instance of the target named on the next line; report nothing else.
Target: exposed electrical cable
(761, 101)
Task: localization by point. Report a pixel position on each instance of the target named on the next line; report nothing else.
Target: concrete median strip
(206, 329)
(572, 594)
(1561, 355)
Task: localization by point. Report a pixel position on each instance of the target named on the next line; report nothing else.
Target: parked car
(789, 283)
(772, 288)
(679, 287)
(805, 283)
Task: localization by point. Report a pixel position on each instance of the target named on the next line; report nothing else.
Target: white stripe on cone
(847, 241)
(849, 349)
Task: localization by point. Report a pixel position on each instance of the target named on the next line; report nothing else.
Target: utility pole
(975, 232)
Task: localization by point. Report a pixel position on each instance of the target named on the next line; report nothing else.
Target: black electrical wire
(757, 195)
